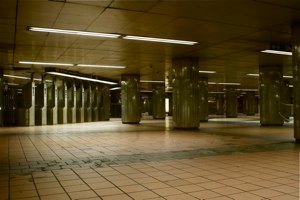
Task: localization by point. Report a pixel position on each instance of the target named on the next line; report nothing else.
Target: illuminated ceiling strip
(45, 63)
(229, 83)
(115, 88)
(287, 53)
(101, 66)
(148, 81)
(256, 75)
(81, 78)
(151, 39)
(216, 92)
(23, 77)
(207, 72)
(211, 83)
(12, 84)
(72, 32)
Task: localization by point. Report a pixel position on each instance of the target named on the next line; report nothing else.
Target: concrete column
(203, 99)
(104, 114)
(158, 98)
(170, 96)
(96, 103)
(130, 96)
(26, 111)
(286, 100)
(186, 90)
(88, 101)
(270, 94)
(41, 103)
(1, 98)
(250, 103)
(231, 102)
(296, 80)
(62, 115)
(220, 104)
(80, 103)
(52, 103)
(71, 107)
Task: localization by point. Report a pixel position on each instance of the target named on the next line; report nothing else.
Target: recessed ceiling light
(149, 81)
(81, 78)
(45, 63)
(101, 66)
(287, 76)
(72, 32)
(115, 88)
(248, 90)
(207, 72)
(151, 39)
(253, 75)
(211, 83)
(229, 83)
(287, 53)
(291, 86)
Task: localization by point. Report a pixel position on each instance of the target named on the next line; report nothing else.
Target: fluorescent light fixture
(45, 63)
(13, 76)
(115, 88)
(229, 83)
(256, 75)
(12, 84)
(211, 83)
(82, 78)
(287, 76)
(151, 39)
(101, 66)
(72, 32)
(291, 86)
(287, 53)
(148, 81)
(207, 72)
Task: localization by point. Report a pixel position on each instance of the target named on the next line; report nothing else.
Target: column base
(186, 128)
(271, 124)
(130, 122)
(297, 141)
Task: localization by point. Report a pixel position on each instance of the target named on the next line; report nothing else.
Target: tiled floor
(234, 159)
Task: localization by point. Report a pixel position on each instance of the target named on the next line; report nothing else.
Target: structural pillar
(104, 114)
(220, 104)
(80, 103)
(203, 99)
(41, 103)
(52, 103)
(296, 80)
(26, 111)
(1, 98)
(71, 107)
(231, 102)
(270, 94)
(158, 98)
(62, 115)
(96, 102)
(186, 90)
(250, 103)
(130, 96)
(88, 104)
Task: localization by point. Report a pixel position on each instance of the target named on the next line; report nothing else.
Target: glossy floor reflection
(224, 159)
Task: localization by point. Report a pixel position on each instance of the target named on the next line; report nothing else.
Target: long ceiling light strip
(82, 78)
(229, 83)
(115, 88)
(101, 66)
(207, 72)
(257, 75)
(24, 77)
(72, 32)
(45, 63)
(286, 53)
(152, 39)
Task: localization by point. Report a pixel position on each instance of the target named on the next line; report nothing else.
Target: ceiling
(230, 35)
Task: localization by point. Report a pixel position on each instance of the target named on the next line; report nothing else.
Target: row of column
(58, 102)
